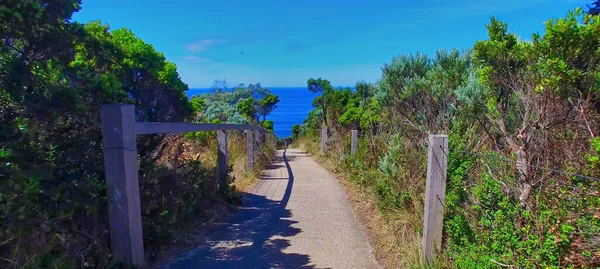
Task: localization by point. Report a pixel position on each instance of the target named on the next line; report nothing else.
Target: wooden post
(256, 141)
(324, 139)
(435, 194)
(261, 137)
(250, 149)
(222, 167)
(354, 144)
(122, 187)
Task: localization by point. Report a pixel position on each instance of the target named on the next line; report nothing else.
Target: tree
(420, 90)
(268, 125)
(323, 87)
(251, 103)
(295, 131)
(224, 112)
(198, 107)
(247, 107)
(266, 105)
(365, 91)
(351, 117)
(538, 88)
(54, 76)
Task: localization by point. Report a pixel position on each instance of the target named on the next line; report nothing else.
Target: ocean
(293, 107)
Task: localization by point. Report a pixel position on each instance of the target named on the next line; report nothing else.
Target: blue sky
(283, 43)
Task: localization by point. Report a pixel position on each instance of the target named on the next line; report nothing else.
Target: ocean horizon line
(279, 87)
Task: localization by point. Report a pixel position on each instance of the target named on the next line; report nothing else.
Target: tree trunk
(524, 176)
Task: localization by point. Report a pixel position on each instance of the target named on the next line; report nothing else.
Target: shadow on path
(253, 238)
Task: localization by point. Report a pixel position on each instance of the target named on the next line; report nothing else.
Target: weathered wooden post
(261, 137)
(257, 144)
(122, 187)
(354, 144)
(222, 167)
(324, 138)
(435, 194)
(256, 139)
(250, 149)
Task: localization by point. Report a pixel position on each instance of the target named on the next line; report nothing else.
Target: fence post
(256, 141)
(354, 144)
(324, 138)
(250, 149)
(122, 186)
(261, 137)
(435, 194)
(222, 167)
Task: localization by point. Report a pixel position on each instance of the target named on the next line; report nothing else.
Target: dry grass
(237, 157)
(206, 153)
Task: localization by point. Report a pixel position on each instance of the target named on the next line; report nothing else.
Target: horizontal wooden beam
(182, 127)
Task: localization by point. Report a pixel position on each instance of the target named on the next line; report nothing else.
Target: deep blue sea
(294, 105)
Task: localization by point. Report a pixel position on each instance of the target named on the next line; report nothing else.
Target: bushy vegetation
(54, 76)
(522, 118)
(240, 104)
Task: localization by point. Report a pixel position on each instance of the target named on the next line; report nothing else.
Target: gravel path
(297, 216)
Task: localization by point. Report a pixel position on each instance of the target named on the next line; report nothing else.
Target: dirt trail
(297, 216)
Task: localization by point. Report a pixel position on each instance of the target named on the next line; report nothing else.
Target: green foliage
(365, 91)
(242, 105)
(492, 235)
(421, 89)
(223, 112)
(323, 87)
(389, 167)
(341, 104)
(267, 104)
(198, 105)
(370, 115)
(593, 158)
(534, 103)
(319, 85)
(268, 125)
(295, 133)
(171, 200)
(351, 116)
(568, 55)
(246, 108)
(54, 77)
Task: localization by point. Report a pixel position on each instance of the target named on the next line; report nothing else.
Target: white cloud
(203, 44)
(196, 59)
